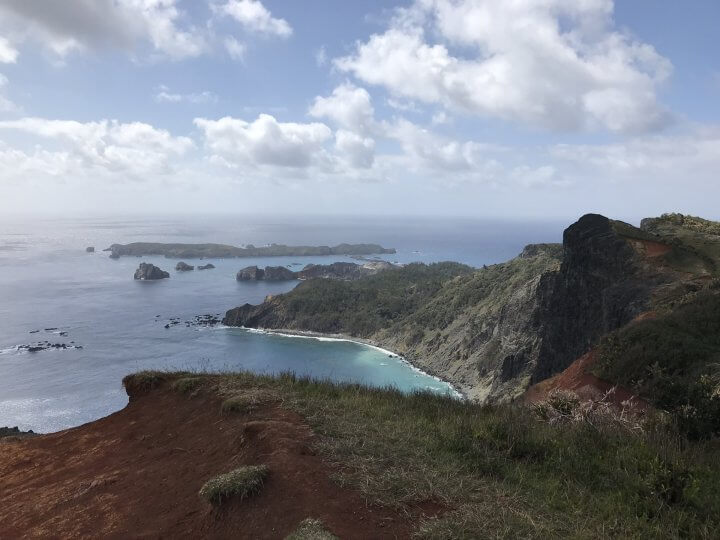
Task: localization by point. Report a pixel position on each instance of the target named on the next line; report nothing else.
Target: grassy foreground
(501, 471)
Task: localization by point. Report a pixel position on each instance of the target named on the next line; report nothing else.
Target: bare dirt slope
(137, 474)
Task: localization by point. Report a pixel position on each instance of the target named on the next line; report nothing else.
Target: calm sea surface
(47, 281)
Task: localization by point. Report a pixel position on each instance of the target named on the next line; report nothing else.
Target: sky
(474, 108)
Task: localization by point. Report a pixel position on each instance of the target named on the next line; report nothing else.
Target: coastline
(309, 334)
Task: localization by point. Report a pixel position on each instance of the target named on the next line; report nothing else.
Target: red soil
(650, 248)
(137, 473)
(585, 385)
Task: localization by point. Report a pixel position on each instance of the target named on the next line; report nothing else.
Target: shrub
(241, 483)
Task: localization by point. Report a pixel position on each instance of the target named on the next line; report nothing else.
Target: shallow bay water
(49, 285)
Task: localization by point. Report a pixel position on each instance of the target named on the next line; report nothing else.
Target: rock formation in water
(207, 266)
(250, 273)
(184, 267)
(147, 271)
(278, 273)
(90, 249)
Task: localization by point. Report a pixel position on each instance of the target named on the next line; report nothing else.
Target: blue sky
(531, 108)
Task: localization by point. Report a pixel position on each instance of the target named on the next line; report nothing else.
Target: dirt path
(136, 474)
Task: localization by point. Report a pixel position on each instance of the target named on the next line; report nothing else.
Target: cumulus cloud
(348, 106)
(8, 53)
(556, 64)
(164, 95)
(255, 17)
(79, 24)
(134, 149)
(264, 142)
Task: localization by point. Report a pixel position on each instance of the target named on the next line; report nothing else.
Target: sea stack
(147, 271)
(207, 266)
(250, 273)
(183, 267)
(90, 249)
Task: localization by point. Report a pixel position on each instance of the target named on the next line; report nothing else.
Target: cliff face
(601, 285)
(495, 331)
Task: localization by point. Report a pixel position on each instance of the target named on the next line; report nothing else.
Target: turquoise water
(47, 281)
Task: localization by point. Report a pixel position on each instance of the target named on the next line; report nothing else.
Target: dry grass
(311, 529)
(239, 483)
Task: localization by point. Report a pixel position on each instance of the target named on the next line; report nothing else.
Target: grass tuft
(311, 529)
(241, 483)
(187, 385)
(144, 381)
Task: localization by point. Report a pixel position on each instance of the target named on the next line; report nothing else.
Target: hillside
(495, 331)
(358, 463)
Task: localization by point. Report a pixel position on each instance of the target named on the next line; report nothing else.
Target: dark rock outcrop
(250, 273)
(207, 266)
(184, 267)
(90, 249)
(279, 273)
(147, 272)
(601, 286)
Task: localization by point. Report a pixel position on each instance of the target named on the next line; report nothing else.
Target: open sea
(52, 290)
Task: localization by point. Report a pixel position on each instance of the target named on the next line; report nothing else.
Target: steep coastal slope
(494, 331)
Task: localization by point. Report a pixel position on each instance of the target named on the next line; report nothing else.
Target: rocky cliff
(494, 331)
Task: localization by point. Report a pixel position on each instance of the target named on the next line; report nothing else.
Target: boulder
(183, 267)
(207, 266)
(250, 273)
(279, 273)
(90, 249)
(147, 271)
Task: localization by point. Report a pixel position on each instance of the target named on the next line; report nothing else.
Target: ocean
(52, 290)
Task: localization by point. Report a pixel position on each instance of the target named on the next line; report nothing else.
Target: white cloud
(359, 151)
(255, 17)
(556, 64)
(349, 107)
(8, 53)
(121, 150)
(265, 142)
(682, 159)
(72, 25)
(235, 48)
(164, 95)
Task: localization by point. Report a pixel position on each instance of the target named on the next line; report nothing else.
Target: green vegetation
(311, 529)
(241, 482)
(507, 471)
(695, 242)
(187, 385)
(673, 361)
(362, 307)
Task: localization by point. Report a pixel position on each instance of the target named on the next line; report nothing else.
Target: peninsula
(224, 251)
